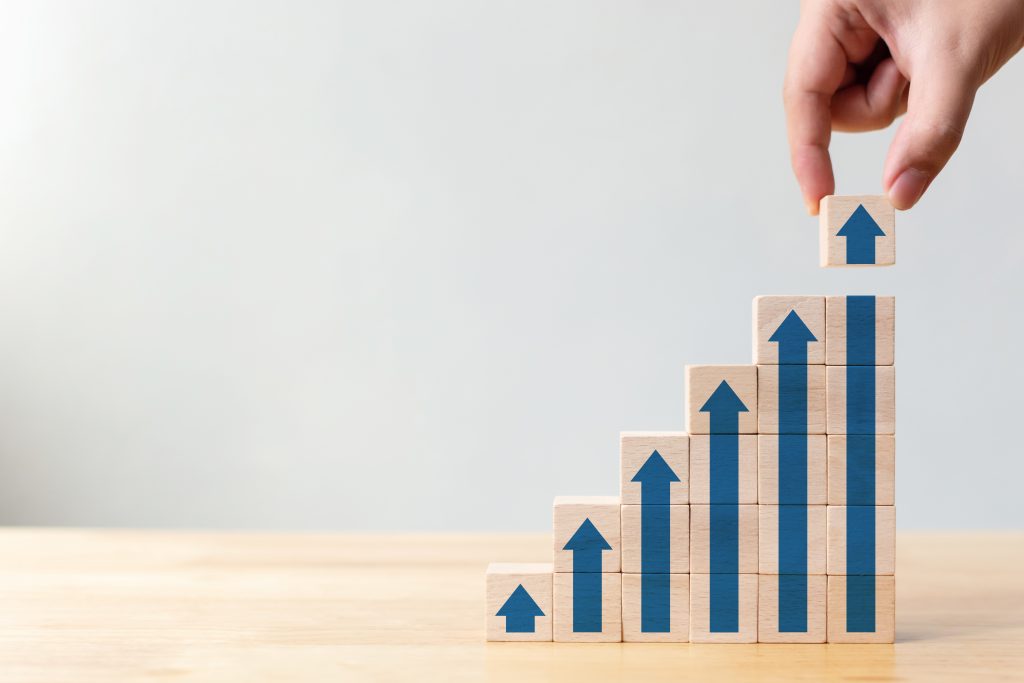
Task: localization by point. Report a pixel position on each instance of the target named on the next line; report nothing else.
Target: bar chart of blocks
(770, 519)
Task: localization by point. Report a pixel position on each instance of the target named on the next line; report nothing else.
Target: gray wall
(410, 265)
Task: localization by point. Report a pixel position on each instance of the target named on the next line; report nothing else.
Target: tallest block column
(789, 347)
(861, 387)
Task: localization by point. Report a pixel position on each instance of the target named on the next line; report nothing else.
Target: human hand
(856, 65)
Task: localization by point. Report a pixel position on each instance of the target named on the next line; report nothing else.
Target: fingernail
(908, 188)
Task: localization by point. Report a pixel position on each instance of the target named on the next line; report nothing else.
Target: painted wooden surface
(700, 469)
(885, 539)
(111, 606)
(768, 469)
(885, 398)
(700, 539)
(768, 399)
(703, 380)
(885, 330)
(768, 535)
(700, 611)
(768, 611)
(836, 210)
(611, 611)
(679, 612)
(679, 538)
(770, 311)
(885, 622)
(634, 450)
(503, 579)
(569, 512)
(884, 470)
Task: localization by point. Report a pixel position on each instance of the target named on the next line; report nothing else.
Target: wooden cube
(800, 390)
(588, 608)
(799, 617)
(878, 382)
(861, 609)
(869, 321)
(637, 449)
(769, 519)
(735, 528)
(768, 469)
(745, 462)
(669, 527)
(519, 601)
(726, 392)
(873, 470)
(723, 608)
(841, 518)
(586, 530)
(667, 621)
(798, 322)
(857, 231)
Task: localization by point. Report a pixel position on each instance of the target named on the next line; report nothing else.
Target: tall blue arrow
(586, 545)
(792, 336)
(724, 407)
(655, 477)
(860, 231)
(520, 611)
(860, 464)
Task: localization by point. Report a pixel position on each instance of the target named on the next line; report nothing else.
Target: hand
(856, 65)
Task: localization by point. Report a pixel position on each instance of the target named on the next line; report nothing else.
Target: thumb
(938, 105)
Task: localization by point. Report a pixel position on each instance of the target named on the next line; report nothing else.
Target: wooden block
(870, 320)
(770, 312)
(567, 628)
(885, 538)
(633, 626)
(884, 471)
(768, 399)
(859, 627)
(857, 231)
(744, 630)
(586, 523)
(808, 609)
(519, 601)
(731, 390)
(700, 471)
(678, 519)
(768, 470)
(768, 533)
(700, 537)
(638, 448)
(837, 378)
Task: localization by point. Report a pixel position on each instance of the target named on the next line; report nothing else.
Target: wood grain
(634, 450)
(768, 611)
(768, 469)
(700, 611)
(679, 610)
(102, 606)
(833, 214)
(571, 511)
(768, 539)
(885, 330)
(700, 469)
(611, 611)
(885, 539)
(768, 399)
(679, 538)
(885, 470)
(770, 311)
(885, 605)
(703, 380)
(502, 579)
(885, 398)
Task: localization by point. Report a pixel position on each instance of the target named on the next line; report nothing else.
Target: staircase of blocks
(771, 519)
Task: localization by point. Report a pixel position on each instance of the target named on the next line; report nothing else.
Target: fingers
(873, 105)
(938, 105)
(816, 69)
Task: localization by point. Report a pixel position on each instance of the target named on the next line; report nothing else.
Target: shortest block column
(519, 601)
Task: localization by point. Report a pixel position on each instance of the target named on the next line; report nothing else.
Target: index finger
(815, 71)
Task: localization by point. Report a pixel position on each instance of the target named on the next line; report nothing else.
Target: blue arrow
(586, 546)
(792, 336)
(655, 477)
(724, 406)
(860, 464)
(520, 611)
(860, 231)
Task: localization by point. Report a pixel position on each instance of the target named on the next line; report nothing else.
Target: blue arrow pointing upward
(860, 231)
(860, 464)
(655, 477)
(792, 337)
(520, 612)
(586, 545)
(724, 406)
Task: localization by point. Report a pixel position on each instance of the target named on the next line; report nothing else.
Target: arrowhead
(587, 537)
(725, 400)
(792, 329)
(655, 469)
(520, 604)
(860, 224)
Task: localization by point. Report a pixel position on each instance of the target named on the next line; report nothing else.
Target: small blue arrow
(655, 477)
(520, 612)
(860, 231)
(586, 545)
(725, 407)
(860, 464)
(792, 336)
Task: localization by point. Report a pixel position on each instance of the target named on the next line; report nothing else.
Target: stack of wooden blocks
(772, 518)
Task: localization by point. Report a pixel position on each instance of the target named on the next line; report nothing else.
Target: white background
(413, 265)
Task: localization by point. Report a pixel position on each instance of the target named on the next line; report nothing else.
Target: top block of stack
(857, 230)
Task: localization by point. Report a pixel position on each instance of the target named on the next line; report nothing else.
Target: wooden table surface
(82, 605)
